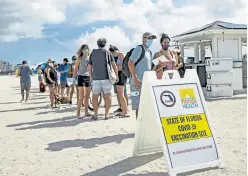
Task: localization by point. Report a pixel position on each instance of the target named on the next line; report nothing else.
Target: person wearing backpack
(51, 80)
(140, 61)
(120, 86)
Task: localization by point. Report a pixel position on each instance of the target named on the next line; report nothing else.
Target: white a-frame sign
(173, 118)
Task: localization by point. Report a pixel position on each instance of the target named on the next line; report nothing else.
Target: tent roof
(214, 25)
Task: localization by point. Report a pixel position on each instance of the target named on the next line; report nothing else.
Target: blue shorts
(135, 96)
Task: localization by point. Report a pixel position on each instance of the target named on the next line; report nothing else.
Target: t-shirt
(144, 65)
(63, 76)
(99, 63)
(25, 72)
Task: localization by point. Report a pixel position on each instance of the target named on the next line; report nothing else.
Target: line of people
(96, 72)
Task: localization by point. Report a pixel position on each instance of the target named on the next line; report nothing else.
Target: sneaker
(118, 110)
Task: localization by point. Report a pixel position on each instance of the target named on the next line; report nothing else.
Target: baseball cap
(74, 58)
(149, 34)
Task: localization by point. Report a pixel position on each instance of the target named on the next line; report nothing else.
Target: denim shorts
(135, 96)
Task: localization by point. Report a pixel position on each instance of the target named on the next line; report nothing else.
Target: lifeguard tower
(224, 40)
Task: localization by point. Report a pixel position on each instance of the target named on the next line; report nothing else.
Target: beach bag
(111, 73)
(42, 87)
(125, 68)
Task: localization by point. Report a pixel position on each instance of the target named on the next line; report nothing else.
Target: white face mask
(50, 64)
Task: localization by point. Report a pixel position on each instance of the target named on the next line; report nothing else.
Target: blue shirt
(144, 65)
(63, 76)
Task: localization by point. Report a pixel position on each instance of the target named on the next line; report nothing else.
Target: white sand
(36, 141)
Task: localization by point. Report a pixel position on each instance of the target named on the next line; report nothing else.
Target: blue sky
(57, 29)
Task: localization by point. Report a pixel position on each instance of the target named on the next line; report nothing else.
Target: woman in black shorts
(83, 76)
(122, 80)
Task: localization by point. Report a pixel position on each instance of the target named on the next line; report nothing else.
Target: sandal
(124, 115)
(94, 117)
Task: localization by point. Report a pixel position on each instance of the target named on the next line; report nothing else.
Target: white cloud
(26, 18)
(114, 36)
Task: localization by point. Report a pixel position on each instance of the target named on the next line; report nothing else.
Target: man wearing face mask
(137, 71)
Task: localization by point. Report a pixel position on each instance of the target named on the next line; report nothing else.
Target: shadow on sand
(128, 164)
(25, 109)
(88, 143)
(69, 121)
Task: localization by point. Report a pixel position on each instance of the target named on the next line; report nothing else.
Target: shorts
(122, 79)
(125, 89)
(63, 84)
(101, 86)
(83, 81)
(25, 86)
(39, 78)
(135, 96)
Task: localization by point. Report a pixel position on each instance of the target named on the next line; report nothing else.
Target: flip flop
(124, 116)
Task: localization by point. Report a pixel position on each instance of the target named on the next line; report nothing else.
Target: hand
(137, 83)
(162, 64)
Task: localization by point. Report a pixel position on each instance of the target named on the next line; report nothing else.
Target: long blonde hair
(80, 53)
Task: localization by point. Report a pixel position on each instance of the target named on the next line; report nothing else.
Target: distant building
(6, 66)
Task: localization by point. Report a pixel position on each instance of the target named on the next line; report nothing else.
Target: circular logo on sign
(168, 98)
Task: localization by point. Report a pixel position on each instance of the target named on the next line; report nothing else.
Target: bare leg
(126, 97)
(22, 93)
(107, 100)
(51, 96)
(62, 92)
(77, 93)
(95, 104)
(27, 95)
(80, 101)
(86, 100)
(67, 92)
(123, 102)
(72, 92)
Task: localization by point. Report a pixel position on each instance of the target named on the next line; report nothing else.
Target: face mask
(50, 64)
(165, 47)
(149, 43)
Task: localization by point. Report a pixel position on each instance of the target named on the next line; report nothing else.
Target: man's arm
(133, 59)
(90, 67)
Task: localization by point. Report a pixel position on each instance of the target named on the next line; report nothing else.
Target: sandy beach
(38, 141)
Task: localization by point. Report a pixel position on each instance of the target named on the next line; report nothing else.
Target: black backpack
(125, 68)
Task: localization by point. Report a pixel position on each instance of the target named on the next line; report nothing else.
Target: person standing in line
(120, 86)
(83, 79)
(40, 75)
(137, 71)
(57, 87)
(51, 80)
(172, 62)
(63, 69)
(99, 61)
(25, 79)
(71, 69)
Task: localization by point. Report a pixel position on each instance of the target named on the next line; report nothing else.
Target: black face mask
(101, 45)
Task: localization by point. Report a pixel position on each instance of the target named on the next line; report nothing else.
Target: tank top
(53, 76)
(83, 67)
